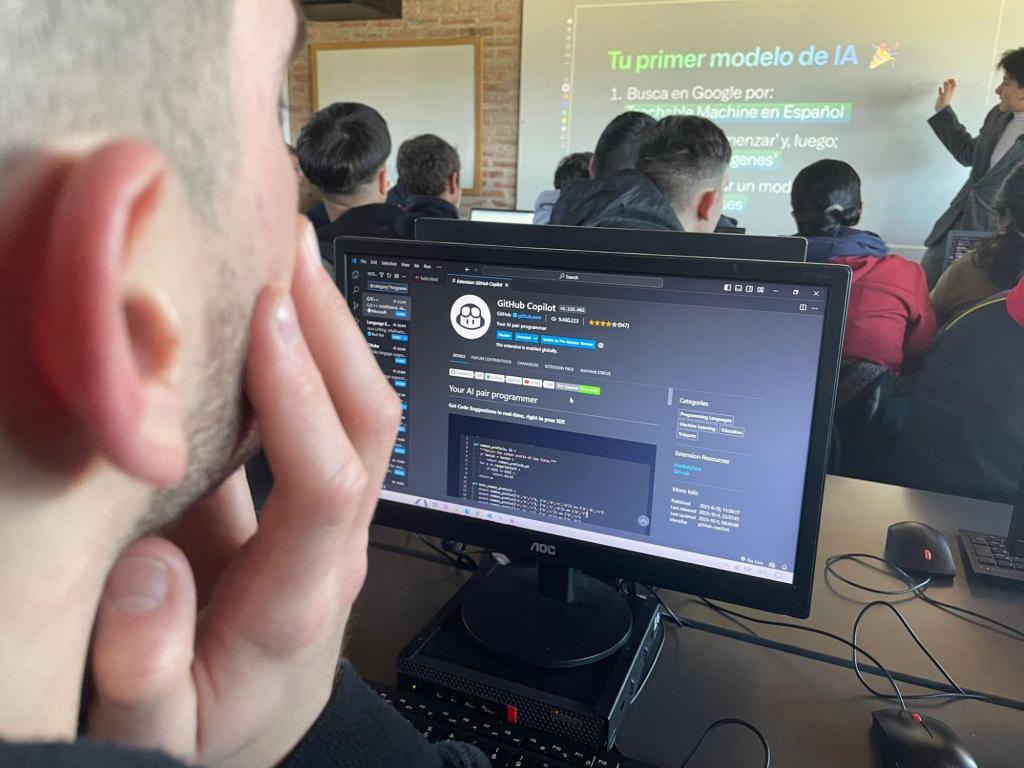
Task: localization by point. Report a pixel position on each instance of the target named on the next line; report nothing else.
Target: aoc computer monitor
(501, 216)
(658, 241)
(662, 420)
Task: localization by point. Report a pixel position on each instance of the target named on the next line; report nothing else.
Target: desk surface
(855, 517)
(813, 713)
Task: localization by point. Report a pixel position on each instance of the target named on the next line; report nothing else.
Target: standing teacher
(990, 155)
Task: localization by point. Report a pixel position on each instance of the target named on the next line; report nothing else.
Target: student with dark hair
(614, 156)
(619, 144)
(678, 182)
(996, 266)
(571, 169)
(429, 168)
(687, 158)
(990, 155)
(889, 320)
(343, 150)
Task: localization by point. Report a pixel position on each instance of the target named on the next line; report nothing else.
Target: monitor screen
(613, 240)
(501, 216)
(664, 413)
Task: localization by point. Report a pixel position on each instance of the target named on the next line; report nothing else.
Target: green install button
(586, 389)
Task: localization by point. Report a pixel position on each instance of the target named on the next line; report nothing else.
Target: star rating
(600, 323)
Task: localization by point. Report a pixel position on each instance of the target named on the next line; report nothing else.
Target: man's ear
(454, 184)
(107, 346)
(706, 204)
(590, 168)
(383, 182)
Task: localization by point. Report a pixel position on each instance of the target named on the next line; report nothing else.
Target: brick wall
(498, 22)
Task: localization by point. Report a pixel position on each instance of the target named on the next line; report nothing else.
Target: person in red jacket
(890, 320)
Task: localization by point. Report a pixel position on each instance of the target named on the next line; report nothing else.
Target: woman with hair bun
(890, 320)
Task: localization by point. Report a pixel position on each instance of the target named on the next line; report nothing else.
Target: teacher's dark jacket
(973, 206)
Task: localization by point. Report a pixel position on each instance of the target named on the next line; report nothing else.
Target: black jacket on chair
(964, 431)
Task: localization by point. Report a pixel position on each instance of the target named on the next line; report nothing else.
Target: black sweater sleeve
(357, 728)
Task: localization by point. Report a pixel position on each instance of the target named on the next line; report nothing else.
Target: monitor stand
(546, 615)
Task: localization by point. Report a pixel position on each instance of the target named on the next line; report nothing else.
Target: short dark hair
(1012, 63)
(682, 153)
(826, 196)
(1002, 256)
(620, 142)
(343, 146)
(572, 168)
(425, 163)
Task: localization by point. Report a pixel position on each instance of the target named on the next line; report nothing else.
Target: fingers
(142, 651)
(213, 530)
(280, 593)
(363, 397)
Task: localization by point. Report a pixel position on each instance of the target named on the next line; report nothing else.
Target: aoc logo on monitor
(471, 317)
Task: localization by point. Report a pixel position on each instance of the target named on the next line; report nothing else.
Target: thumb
(142, 650)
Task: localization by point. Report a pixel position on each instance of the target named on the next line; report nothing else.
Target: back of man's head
(133, 117)
(620, 143)
(343, 147)
(120, 68)
(429, 165)
(687, 158)
(573, 168)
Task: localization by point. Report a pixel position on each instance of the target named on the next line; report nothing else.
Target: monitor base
(546, 616)
(586, 704)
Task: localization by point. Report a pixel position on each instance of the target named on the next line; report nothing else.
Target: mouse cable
(732, 721)
(669, 615)
(815, 631)
(913, 587)
(956, 693)
(1014, 633)
(905, 577)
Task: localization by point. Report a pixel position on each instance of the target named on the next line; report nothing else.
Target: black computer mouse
(909, 740)
(920, 548)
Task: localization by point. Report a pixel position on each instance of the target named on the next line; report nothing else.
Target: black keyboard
(989, 558)
(507, 746)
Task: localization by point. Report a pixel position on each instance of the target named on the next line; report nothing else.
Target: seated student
(996, 266)
(571, 168)
(964, 430)
(678, 182)
(343, 150)
(687, 160)
(429, 168)
(616, 150)
(890, 320)
(397, 194)
(164, 310)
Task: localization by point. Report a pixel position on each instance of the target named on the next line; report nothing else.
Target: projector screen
(789, 81)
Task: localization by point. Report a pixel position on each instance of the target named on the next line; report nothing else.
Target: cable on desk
(667, 612)
(916, 588)
(957, 693)
(731, 721)
(459, 561)
(905, 577)
(813, 630)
